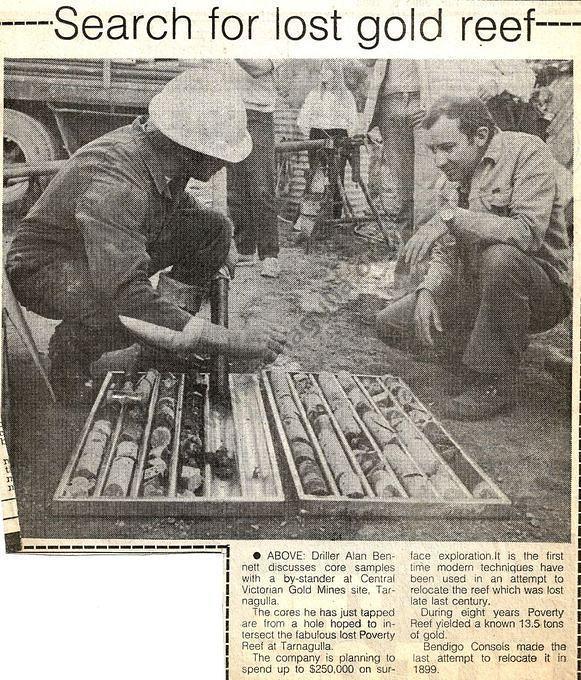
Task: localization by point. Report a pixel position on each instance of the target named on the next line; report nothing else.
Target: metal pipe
(310, 144)
(219, 315)
(40, 169)
(44, 168)
(387, 235)
(303, 145)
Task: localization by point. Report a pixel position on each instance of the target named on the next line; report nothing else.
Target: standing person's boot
(70, 364)
(270, 268)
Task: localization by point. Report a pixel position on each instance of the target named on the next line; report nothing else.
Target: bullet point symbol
(256, 555)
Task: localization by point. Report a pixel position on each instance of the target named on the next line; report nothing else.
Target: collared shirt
(327, 110)
(108, 203)
(402, 76)
(258, 92)
(513, 199)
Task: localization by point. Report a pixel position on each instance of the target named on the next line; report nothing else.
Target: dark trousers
(251, 191)
(317, 158)
(488, 318)
(195, 242)
(410, 163)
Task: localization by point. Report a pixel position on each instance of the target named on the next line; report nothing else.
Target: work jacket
(108, 204)
(513, 199)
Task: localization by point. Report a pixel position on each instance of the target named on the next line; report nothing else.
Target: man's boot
(489, 396)
(70, 364)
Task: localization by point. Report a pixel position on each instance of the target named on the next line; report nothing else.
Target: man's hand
(487, 90)
(420, 244)
(374, 136)
(256, 342)
(426, 316)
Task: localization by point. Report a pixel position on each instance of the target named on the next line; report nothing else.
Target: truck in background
(54, 106)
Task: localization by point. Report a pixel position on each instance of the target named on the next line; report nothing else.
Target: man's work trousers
(251, 191)
(408, 159)
(195, 243)
(488, 319)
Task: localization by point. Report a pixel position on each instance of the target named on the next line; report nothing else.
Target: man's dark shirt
(108, 204)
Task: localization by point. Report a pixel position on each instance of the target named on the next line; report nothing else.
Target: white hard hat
(208, 117)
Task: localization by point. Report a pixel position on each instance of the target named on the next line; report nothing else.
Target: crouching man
(115, 214)
(498, 256)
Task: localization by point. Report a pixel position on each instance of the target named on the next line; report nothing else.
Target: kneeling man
(498, 255)
(116, 214)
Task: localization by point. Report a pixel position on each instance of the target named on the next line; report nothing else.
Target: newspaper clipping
(293, 286)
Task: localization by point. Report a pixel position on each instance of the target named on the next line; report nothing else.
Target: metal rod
(219, 315)
(14, 312)
(14, 170)
(175, 450)
(302, 145)
(42, 168)
(140, 464)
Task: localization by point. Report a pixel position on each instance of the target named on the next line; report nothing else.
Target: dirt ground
(327, 300)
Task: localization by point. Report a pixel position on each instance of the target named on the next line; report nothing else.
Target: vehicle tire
(26, 139)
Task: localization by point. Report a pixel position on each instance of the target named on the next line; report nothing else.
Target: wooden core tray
(455, 487)
(254, 489)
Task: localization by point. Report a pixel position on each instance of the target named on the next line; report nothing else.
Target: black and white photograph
(318, 299)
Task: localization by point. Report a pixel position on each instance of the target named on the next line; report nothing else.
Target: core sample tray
(175, 453)
(324, 443)
(363, 445)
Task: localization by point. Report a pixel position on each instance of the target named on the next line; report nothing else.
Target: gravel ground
(331, 323)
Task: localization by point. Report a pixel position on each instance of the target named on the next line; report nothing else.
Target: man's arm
(305, 115)
(372, 111)
(528, 212)
(443, 268)
(110, 217)
(256, 67)
(353, 124)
